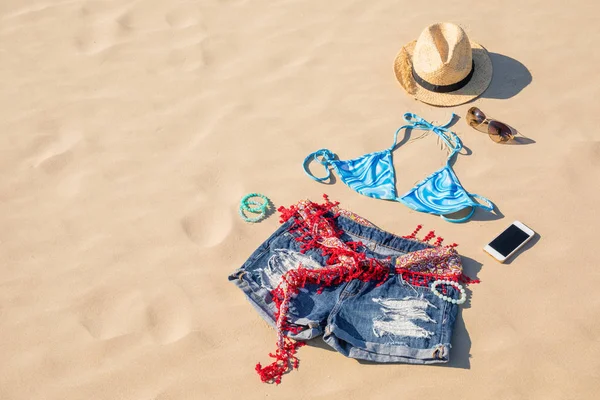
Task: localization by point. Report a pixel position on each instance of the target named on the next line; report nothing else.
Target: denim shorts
(396, 319)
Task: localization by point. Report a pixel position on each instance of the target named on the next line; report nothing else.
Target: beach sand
(131, 129)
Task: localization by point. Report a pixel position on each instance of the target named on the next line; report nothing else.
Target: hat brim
(482, 76)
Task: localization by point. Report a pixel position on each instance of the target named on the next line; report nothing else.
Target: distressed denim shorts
(395, 319)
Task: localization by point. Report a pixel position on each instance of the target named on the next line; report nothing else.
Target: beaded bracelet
(261, 208)
(463, 294)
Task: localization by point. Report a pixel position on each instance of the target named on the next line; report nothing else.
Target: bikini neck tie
(416, 122)
(420, 123)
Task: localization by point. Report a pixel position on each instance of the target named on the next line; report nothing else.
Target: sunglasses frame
(484, 126)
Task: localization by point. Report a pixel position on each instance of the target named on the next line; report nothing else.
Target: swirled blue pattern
(440, 192)
(373, 175)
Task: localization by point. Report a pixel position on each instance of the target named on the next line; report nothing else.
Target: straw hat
(443, 67)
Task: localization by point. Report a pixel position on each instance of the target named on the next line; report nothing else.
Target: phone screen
(509, 240)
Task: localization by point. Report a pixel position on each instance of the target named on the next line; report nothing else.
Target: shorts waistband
(328, 222)
(377, 235)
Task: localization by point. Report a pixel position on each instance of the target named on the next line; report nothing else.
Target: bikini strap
(416, 122)
(325, 160)
(463, 219)
(488, 206)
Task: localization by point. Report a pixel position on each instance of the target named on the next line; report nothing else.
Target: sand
(131, 129)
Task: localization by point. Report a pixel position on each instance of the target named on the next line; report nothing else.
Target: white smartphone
(508, 242)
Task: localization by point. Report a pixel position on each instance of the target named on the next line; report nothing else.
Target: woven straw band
(443, 88)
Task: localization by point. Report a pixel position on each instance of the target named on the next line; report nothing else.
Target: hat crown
(443, 54)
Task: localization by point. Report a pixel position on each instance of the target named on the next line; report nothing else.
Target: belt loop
(392, 266)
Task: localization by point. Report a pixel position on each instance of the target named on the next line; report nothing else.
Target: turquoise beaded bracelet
(261, 207)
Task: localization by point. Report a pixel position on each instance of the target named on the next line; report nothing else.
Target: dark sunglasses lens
(499, 132)
(475, 116)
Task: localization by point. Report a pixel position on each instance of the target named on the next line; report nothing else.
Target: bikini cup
(373, 175)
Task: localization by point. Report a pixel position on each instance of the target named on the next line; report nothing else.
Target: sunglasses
(498, 131)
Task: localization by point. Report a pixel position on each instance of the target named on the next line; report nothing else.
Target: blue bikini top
(373, 175)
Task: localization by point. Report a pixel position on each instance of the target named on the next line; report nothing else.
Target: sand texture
(130, 129)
